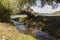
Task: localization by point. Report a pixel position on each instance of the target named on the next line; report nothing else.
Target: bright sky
(45, 9)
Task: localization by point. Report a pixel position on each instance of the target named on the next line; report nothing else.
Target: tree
(8, 7)
(16, 5)
(50, 2)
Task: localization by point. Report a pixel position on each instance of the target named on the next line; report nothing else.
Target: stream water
(20, 27)
(38, 34)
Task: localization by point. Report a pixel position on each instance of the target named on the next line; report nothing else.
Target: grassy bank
(9, 32)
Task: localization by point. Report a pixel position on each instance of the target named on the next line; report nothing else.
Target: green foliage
(8, 7)
(16, 5)
(58, 12)
(11, 5)
(4, 14)
(5, 3)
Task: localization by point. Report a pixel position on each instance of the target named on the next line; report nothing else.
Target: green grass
(58, 12)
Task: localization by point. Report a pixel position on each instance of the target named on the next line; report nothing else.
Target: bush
(4, 14)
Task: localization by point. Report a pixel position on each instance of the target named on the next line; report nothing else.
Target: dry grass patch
(9, 32)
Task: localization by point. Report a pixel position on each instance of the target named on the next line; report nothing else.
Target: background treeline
(8, 7)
